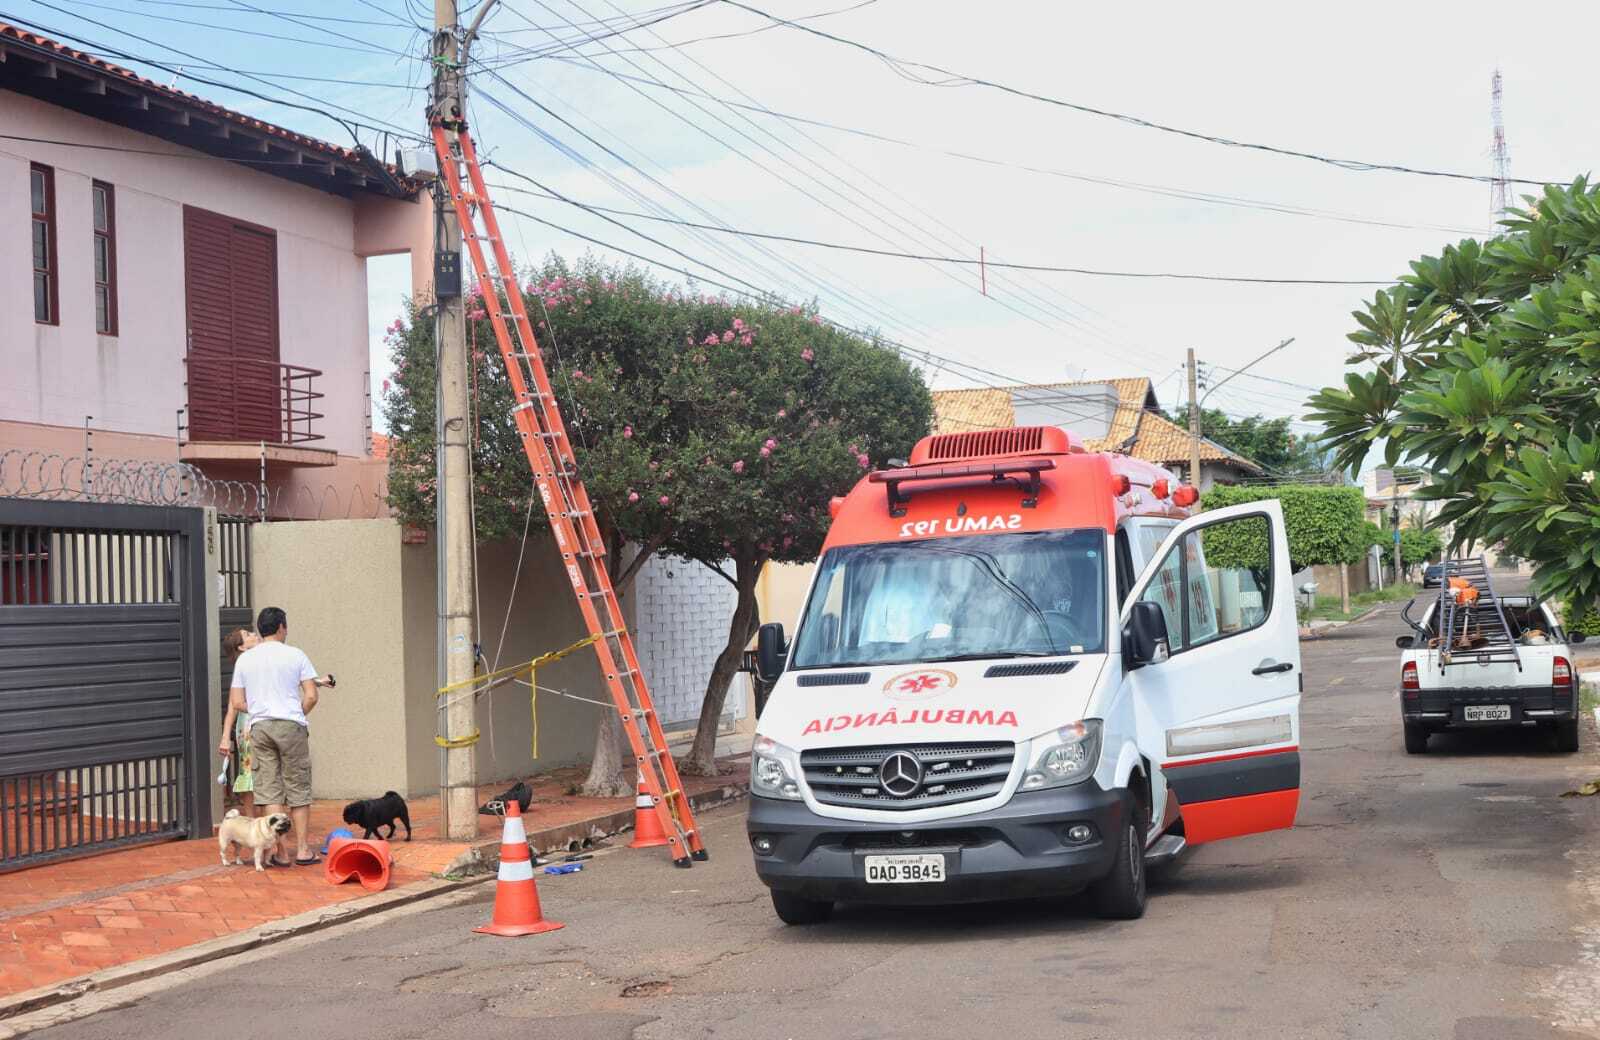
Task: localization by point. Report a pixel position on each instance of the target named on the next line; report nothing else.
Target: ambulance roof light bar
(1025, 472)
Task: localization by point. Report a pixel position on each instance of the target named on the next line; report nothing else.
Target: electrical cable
(191, 23)
(872, 206)
(1165, 191)
(1049, 268)
(348, 125)
(901, 66)
(769, 171)
(748, 32)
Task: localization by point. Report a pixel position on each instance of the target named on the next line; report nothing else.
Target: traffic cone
(647, 832)
(516, 897)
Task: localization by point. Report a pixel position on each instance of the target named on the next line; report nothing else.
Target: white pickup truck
(1445, 687)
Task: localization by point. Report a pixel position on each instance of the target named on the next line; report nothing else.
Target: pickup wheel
(1567, 735)
(793, 909)
(1416, 739)
(1121, 894)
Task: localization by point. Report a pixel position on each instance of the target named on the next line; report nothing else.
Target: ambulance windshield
(1032, 594)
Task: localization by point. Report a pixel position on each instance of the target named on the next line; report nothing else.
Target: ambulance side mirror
(772, 652)
(1144, 637)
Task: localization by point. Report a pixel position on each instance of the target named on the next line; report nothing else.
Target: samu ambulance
(1024, 669)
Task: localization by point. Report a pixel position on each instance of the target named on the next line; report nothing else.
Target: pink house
(188, 283)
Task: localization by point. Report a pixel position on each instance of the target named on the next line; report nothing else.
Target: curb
(485, 856)
(227, 946)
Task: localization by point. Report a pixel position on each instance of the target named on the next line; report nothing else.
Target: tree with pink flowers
(706, 429)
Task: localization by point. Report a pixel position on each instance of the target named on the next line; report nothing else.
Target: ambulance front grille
(951, 773)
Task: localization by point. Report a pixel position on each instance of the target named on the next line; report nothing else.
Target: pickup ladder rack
(566, 501)
(1472, 625)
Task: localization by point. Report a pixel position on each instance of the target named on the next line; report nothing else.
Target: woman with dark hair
(233, 727)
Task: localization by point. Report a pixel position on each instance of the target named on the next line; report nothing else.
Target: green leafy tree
(1268, 442)
(1324, 525)
(1418, 545)
(1481, 366)
(703, 429)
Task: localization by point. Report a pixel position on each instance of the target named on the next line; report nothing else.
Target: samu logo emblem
(920, 684)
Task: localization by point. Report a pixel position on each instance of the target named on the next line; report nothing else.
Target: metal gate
(103, 674)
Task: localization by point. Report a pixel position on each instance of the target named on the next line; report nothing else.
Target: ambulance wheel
(1121, 894)
(1567, 735)
(793, 909)
(1416, 739)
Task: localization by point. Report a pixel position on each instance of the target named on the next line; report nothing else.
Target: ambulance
(1023, 669)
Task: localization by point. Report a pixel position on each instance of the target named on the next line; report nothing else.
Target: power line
(748, 32)
(529, 53)
(1159, 190)
(396, 21)
(903, 67)
(151, 151)
(347, 124)
(968, 261)
(260, 33)
(786, 180)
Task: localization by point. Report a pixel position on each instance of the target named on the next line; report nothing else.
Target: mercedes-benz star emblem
(901, 774)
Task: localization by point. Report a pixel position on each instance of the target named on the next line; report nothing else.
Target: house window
(42, 195)
(105, 259)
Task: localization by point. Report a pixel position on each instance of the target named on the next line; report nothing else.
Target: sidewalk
(64, 920)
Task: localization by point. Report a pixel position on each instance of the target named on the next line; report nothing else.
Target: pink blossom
(863, 460)
(727, 337)
(794, 310)
(771, 443)
(385, 386)
(806, 355)
(654, 465)
(627, 431)
(633, 496)
(816, 320)
(710, 341)
(738, 467)
(477, 314)
(765, 451)
(854, 450)
(783, 412)
(577, 373)
(665, 500)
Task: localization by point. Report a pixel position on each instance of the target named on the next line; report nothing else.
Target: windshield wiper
(988, 654)
(992, 568)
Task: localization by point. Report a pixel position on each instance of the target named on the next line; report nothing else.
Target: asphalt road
(1447, 895)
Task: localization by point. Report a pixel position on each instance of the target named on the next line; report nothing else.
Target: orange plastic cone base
(647, 832)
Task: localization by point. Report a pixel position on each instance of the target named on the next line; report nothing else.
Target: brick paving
(67, 919)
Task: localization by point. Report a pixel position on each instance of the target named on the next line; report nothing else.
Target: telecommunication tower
(1500, 186)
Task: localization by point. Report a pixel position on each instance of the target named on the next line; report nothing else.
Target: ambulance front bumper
(1021, 849)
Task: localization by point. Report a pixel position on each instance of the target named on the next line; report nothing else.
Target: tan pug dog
(260, 833)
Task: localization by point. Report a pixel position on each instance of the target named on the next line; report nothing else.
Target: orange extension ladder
(549, 450)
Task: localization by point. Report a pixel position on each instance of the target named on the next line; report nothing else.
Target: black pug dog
(372, 814)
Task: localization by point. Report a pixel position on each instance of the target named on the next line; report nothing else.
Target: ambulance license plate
(904, 870)
(1486, 713)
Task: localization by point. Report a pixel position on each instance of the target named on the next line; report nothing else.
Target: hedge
(1324, 525)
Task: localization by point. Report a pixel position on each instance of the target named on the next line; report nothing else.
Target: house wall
(134, 382)
(683, 611)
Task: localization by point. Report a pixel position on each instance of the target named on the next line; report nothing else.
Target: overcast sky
(1404, 84)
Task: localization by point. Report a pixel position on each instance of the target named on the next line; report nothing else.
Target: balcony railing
(248, 399)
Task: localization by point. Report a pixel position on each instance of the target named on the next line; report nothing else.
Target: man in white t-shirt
(276, 687)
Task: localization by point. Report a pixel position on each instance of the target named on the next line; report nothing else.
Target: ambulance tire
(793, 909)
(1120, 895)
(1416, 739)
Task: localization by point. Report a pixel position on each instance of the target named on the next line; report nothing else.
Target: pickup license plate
(1486, 713)
(904, 870)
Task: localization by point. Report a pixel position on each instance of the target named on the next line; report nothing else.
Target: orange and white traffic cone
(647, 832)
(516, 897)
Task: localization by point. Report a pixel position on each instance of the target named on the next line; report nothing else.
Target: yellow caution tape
(483, 682)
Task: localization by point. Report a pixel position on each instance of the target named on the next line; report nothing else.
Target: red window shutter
(231, 275)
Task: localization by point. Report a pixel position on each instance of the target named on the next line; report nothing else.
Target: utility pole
(453, 523)
(1194, 423)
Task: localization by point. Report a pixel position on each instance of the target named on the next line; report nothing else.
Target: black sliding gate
(103, 675)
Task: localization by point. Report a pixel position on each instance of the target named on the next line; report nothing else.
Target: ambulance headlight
(773, 769)
(1067, 756)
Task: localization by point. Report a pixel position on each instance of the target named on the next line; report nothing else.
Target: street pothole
(653, 988)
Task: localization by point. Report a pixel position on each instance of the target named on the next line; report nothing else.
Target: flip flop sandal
(313, 861)
(279, 861)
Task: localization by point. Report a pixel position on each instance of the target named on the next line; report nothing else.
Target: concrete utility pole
(453, 509)
(1194, 423)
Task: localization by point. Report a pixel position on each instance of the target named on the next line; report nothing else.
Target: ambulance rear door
(1219, 715)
